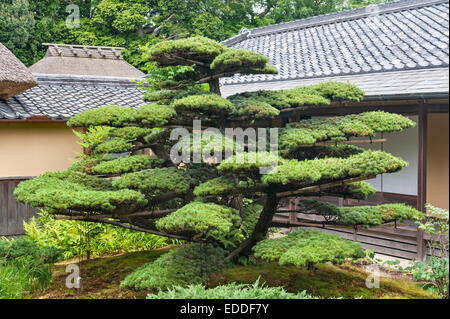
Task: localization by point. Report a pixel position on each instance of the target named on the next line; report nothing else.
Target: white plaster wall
(406, 146)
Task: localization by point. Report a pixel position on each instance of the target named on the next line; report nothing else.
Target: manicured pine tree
(126, 176)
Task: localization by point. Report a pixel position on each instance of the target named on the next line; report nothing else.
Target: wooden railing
(394, 239)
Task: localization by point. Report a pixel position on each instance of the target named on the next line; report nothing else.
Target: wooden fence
(12, 213)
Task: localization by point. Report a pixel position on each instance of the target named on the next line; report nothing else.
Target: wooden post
(292, 215)
(422, 177)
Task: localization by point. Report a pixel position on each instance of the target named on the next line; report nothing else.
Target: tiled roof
(395, 37)
(427, 83)
(59, 97)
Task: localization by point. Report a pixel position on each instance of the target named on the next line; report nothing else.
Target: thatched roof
(84, 60)
(14, 75)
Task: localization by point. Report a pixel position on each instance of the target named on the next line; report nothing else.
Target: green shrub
(192, 264)
(104, 239)
(306, 247)
(230, 291)
(25, 266)
(14, 281)
(433, 274)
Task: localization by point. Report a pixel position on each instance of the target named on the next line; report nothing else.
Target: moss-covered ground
(102, 277)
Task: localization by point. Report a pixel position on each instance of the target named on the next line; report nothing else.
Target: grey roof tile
(399, 36)
(60, 97)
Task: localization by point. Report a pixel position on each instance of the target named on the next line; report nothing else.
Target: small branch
(155, 213)
(123, 225)
(318, 188)
(178, 58)
(156, 30)
(381, 140)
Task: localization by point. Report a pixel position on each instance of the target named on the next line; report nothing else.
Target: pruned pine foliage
(229, 291)
(118, 181)
(306, 247)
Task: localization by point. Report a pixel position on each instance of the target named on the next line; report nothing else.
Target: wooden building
(398, 53)
(34, 137)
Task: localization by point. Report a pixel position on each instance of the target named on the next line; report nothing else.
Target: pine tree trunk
(261, 228)
(214, 86)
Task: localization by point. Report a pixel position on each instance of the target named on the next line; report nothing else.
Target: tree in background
(16, 24)
(150, 168)
(136, 23)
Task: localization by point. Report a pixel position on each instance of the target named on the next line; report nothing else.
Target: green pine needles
(144, 168)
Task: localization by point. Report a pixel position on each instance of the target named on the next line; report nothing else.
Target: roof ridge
(333, 17)
(84, 79)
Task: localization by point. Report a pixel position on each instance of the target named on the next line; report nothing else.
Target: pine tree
(128, 177)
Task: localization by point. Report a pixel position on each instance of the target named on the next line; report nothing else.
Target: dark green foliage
(156, 181)
(305, 247)
(127, 164)
(192, 264)
(215, 222)
(250, 216)
(229, 291)
(432, 275)
(342, 151)
(327, 169)
(28, 251)
(25, 267)
(16, 23)
(360, 215)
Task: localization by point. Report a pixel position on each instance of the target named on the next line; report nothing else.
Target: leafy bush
(14, 281)
(104, 238)
(25, 266)
(230, 291)
(192, 264)
(306, 247)
(433, 273)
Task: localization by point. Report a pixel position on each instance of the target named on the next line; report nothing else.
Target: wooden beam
(422, 177)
